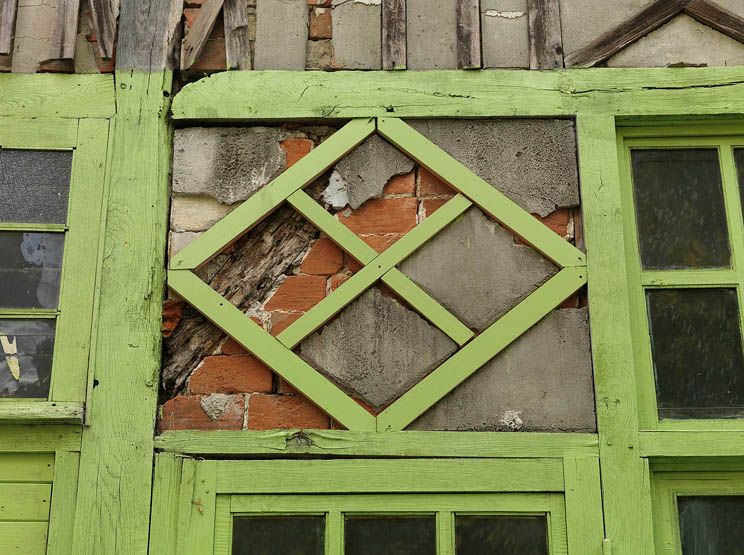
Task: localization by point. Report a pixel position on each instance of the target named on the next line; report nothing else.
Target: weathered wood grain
(394, 34)
(104, 22)
(60, 96)
(653, 17)
(197, 36)
(8, 10)
(41, 438)
(64, 32)
(546, 42)
(147, 34)
(42, 411)
(237, 45)
(468, 34)
(492, 93)
(719, 19)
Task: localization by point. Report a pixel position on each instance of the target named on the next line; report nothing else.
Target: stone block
(281, 34)
(682, 41)
(357, 32)
(532, 161)
(377, 348)
(319, 54)
(196, 213)
(178, 240)
(431, 33)
(476, 269)
(540, 383)
(226, 163)
(363, 173)
(505, 34)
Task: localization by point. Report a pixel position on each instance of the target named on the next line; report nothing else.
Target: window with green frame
(682, 199)
(51, 175)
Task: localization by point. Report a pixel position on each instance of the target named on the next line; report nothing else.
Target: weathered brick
(320, 23)
(324, 258)
(232, 347)
(298, 294)
(268, 412)
(295, 148)
(172, 314)
(190, 15)
(380, 242)
(188, 413)
(212, 58)
(401, 185)
(382, 216)
(323, 3)
(231, 374)
(431, 205)
(431, 185)
(338, 280)
(558, 221)
(280, 321)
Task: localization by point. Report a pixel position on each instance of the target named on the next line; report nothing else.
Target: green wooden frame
(724, 138)
(277, 352)
(87, 138)
(209, 492)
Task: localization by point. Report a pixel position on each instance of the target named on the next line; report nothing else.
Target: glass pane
(680, 210)
(414, 535)
(35, 185)
(30, 268)
(711, 525)
(282, 535)
(26, 347)
(501, 535)
(697, 352)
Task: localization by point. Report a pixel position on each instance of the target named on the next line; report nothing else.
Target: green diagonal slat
(281, 360)
(480, 350)
(261, 204)
(489, 199)
(373, 271)
(413, 294)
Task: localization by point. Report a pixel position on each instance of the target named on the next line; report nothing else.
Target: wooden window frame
(723, 138)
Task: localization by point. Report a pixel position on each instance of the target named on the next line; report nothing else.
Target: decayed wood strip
(197, 37)
(546, 42)
(104, 22)
(7, 25)
(65, 30)
(719, 19)
(237, 46)
(468, 34)
(394, 34)
(623, 35)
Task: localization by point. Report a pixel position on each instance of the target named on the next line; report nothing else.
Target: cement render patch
(357, 30)
(540, 383)
(281, 34)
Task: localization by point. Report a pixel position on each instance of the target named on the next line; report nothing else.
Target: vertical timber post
(113, 502)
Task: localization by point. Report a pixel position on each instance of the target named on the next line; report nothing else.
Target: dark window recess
(679, 209)
(291, 535)
(739, 157)
(26, 348)
(390, 535)
(711, 525)
(35, 185)
(501, 535)
(697, 352)
(30, 268)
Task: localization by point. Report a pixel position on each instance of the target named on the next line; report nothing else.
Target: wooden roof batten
(650, 19)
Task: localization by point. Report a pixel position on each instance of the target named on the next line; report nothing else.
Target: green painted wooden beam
(488, 93)
(692, 443)
(40, 438)
(57, 95)
(374, 444)
(42, 411)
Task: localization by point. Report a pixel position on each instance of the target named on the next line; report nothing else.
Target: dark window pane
(26, 348)
(390, 535)
(680, 210)
(290, 535)
(30, 268)
(697, 352)
(501, 535)
(35, 185)
(711, 525)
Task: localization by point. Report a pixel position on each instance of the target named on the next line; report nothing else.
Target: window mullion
(334, 533)
(445, 533)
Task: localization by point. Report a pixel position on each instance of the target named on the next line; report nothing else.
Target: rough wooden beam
(147, 34)
(197, 37)
(626, 34)
(7, 25)
(104, 22)
(546, 42)
(65, 30)
(468, 34)
(719, 19)
(394, 34)
(237, 46)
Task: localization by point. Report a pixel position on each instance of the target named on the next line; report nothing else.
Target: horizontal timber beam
(266, 95)
(692, 444)
(372, 444)
(41, 411)
(40, 438)
(56, 95)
